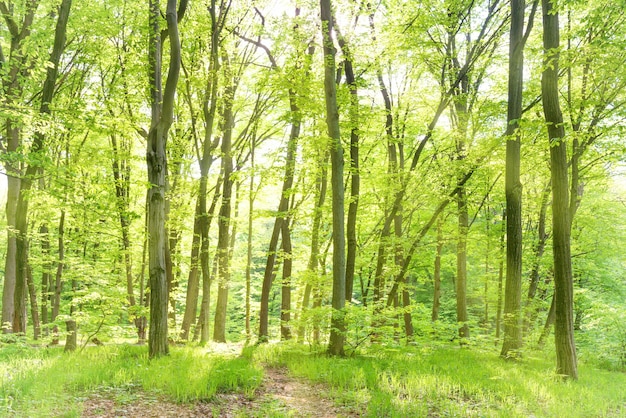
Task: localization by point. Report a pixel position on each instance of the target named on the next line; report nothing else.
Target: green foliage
(39, 381)
(448, 381)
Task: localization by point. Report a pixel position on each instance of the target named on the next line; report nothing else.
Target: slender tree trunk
(461, 267)
(193, 281)
(223, 241)
(355, 177)
(251, 196)
(285, 307)
(337, 327)
(46, 276)
(58, 283)
(547, 327)
(501, 278)
(321, 185)
(282, 221)
(563, 282)
(71, 328)
(437, 272)
(542, 238)
(34, 310)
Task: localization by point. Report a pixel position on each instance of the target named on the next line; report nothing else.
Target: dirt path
(280, 395)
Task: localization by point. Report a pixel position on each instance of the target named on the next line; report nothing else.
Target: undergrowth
(450, 381)
(48, 382)
(429, 380)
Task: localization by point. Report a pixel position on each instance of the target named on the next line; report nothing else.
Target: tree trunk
(46, 276)
(547, 327)
(285, 306)
(542, 238)
(437, 273)
(251, 196)
(513, 187)
(34, 310)
(461, 267)
(21, 220)
(321, 185)
(223, 241)
(162, 103)
(563, 282)
(13, 87)
(355, 177)
(337, 326)
(500, 279)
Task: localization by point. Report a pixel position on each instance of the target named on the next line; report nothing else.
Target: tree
(337, 330)
(513, 187)
(563, 283)
(162, 112)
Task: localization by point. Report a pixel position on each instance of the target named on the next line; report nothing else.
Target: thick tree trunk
(13, 87)
(21, 220)
(563, 282)
(513, 187)
(10, 268)
(162, 102)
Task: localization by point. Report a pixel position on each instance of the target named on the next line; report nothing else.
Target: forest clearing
(313, 207)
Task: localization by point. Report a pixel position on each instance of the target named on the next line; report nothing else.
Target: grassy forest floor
(289, 380)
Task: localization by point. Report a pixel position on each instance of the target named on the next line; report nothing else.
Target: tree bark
(21, 219)
(18, 70)
(321, 185)
(223, 241)
(337, 326)
(563, 282)
(437, 273)
(513, 187)
(355, 176)
(162, 109)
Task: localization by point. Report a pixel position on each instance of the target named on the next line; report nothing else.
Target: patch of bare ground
(280, 395)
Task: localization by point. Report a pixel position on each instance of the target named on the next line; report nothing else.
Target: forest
(411, 207)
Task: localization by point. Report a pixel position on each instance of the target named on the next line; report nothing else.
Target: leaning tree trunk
(563, 283)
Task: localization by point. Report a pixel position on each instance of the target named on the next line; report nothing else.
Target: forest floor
(280, 395)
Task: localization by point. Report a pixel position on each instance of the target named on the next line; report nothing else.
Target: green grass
(449, 381)
(48, 382)
(429, 380)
